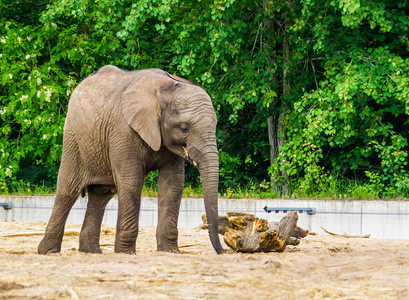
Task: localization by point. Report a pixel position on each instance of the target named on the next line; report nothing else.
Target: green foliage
(33, 96)
(355, 120)
(347, 74)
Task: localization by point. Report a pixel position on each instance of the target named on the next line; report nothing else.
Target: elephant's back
(89, 116)
(106, 85)
(94, 91)
(95, 104)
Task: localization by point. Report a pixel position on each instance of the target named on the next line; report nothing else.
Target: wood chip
(347, 235)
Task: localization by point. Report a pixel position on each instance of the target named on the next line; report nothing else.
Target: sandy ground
(320, 267)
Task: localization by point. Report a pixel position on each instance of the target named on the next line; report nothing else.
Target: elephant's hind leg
(69, 187)
(54, 233)
(98, 197)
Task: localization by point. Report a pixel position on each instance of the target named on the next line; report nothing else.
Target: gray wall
(381, 219)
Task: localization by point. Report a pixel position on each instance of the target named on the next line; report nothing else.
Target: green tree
(46, 49)
(354, 122)
(32, 91)
(311, 89)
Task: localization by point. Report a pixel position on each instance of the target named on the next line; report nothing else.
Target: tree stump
(245, 233)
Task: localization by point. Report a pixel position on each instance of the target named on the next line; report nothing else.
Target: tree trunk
(276, 130)
(285, 97)
(275, 141)
(245, 233)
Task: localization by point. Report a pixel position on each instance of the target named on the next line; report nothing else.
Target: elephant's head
(171, 112)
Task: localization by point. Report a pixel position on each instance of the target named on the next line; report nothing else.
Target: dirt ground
(322, 266)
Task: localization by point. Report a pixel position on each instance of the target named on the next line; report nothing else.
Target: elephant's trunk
(207, 161)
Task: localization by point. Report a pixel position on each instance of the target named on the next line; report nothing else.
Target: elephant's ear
(141, 108)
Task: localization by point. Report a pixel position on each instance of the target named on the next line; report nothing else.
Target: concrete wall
(382, 219)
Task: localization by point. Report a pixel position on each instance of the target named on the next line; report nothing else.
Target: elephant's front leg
(171, 183)
(129, 201)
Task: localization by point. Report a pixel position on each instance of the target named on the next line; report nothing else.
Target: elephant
(121, 125)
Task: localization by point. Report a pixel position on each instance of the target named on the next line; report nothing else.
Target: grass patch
(334, 188)
(27, 188)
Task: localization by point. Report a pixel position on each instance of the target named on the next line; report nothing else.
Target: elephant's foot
(172, 249)
(125, 241)
(48, 245)
(89, 242)
(167, 245)
(90, 248)
(125, 250)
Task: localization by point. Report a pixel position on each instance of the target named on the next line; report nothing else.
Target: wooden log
(298, 232)
(245, 233)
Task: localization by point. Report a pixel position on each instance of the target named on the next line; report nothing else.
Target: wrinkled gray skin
(119, 127)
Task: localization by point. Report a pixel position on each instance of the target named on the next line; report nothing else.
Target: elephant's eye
(185, 130)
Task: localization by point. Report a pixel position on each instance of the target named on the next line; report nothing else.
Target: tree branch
(315, 77)
(255, 40)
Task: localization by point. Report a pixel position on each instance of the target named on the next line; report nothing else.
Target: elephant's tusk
(187, 156)
(186, 152)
